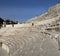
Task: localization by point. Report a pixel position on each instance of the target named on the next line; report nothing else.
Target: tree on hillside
(1, 22)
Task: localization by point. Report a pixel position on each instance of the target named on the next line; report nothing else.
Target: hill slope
(52, 12)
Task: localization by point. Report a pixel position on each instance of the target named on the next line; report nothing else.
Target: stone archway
(4, 46)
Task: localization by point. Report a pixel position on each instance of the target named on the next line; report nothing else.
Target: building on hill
(10, 21)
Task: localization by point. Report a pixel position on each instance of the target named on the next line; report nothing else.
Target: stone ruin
(39, 40)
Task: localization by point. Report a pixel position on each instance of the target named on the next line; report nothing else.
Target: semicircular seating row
(27, 44)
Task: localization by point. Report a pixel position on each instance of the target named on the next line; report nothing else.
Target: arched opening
(5, 47)
(3, 52)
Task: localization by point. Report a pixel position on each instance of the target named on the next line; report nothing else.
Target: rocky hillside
(52, 12)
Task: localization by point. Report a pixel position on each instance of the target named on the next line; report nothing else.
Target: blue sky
(22, 10)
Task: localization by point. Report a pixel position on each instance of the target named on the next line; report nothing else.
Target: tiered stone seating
(26, 41)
